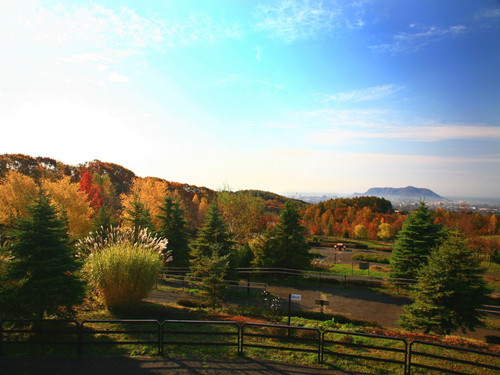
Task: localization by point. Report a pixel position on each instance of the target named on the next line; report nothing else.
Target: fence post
(160, 339)
(1, 336)
(242, 335)
(320, 346)
(79, 339)
(408, 355)
(240, 351)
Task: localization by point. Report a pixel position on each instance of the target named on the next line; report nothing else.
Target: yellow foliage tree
(150, 192)
(16, 192)
(73, 203)
(385, 231)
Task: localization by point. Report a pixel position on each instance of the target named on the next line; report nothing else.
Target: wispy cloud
(200, 29)
(489, 13)
(425, 133)
(291, 20)
(366, 94)
(421, 37)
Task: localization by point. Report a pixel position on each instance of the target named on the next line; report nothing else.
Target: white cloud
(414, 41)
(370, 93)
(116, 77)
(291, 20)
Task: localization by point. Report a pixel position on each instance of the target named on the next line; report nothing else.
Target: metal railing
(328, 345)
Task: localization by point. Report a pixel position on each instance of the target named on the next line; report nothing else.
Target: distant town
(479, 205)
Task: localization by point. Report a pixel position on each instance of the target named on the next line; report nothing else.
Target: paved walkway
(154, 366)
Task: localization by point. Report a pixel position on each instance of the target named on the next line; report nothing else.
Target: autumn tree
(42, 269)
(242, 212)
(172, 226)
(414, 243)
(16, 192)
(93, 191)
(385, 231)
(150, 192)
(450, 290)
(72, 203)
(360, 231)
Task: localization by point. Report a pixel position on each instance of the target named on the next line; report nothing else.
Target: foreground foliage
(122, 275)
(284, 245)
(41, 279)
(450, 290)
(414, 243)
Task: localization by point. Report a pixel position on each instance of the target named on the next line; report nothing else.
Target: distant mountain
(406, 193)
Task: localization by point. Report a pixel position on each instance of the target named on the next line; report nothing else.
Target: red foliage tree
(92, 190)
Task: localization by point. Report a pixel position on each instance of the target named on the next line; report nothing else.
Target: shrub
(377, 258)
(107, 237)
(122, 275)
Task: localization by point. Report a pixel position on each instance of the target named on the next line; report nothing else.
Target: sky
(289, 96)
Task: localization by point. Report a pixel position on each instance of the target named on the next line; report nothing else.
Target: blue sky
(285, 95)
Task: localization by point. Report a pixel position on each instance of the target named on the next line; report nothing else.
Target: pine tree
(210, 271)
(214, 231)
(173, 228)
(138, 216)
(42, 270)
(414, 243)
(285, 245)
(450, 290)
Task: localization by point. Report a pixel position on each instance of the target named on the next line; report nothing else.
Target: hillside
(121, 178)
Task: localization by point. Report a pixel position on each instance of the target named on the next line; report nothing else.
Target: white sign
(295, 297)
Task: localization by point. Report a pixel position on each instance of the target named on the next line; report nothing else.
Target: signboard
(295, 297)
(364, 265)
(322, 302)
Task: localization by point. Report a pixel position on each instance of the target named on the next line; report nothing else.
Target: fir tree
(103, 220)
(414, 243)
(139, 217)
(450, 290)
(173, 228)
(209, 273)
(214, 231)
(285, 245)
(41, 273)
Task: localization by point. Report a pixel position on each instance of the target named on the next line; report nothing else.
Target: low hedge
(376, 258)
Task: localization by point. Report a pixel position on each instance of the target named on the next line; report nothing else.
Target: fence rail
(328, 345)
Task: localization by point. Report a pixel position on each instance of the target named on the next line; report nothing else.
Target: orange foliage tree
(16, 192)
(71, 202)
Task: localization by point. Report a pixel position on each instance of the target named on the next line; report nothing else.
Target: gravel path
(154, 366)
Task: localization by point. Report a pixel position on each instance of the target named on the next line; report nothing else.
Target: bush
(377, 258)
(122, 275)
(187, 302)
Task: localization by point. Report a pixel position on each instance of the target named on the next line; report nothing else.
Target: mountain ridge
(408, 192)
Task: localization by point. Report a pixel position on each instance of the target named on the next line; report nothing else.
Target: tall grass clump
(106, 237)
(122, 274)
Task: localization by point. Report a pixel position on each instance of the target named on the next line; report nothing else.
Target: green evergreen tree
(285, 245)
(450, 290)
(173, 228)
(42, 270)
(139, 217)
(103, 220)
(214, 231)
(414, 243)
(209, 273)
